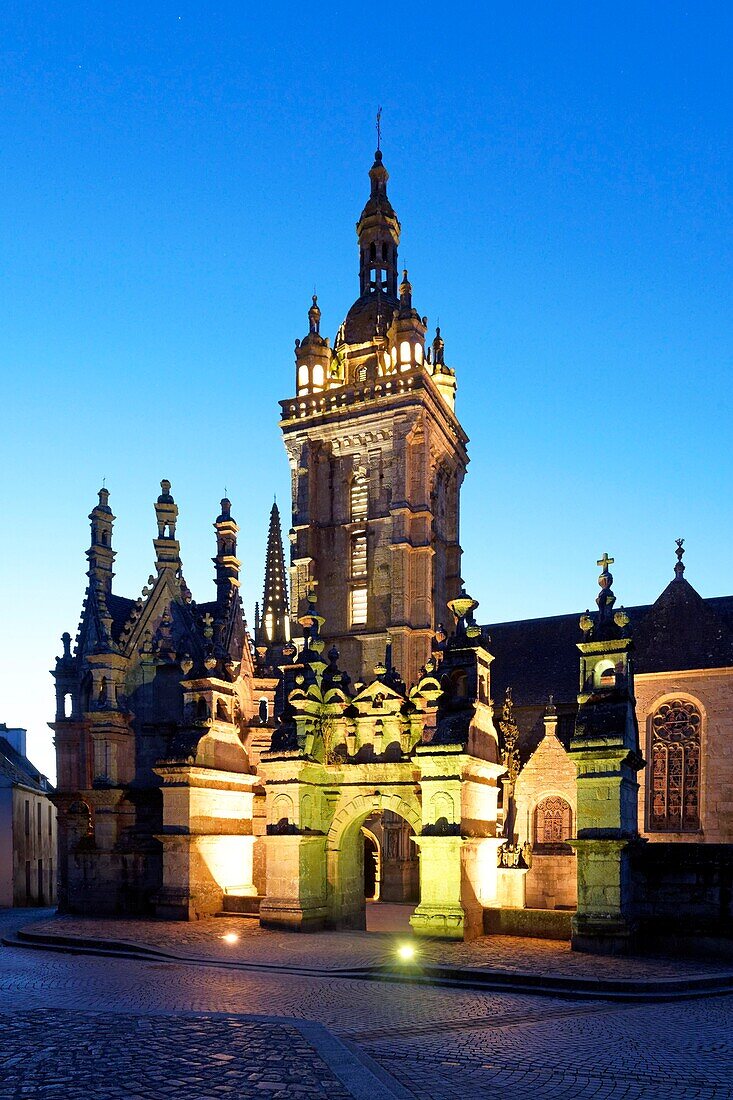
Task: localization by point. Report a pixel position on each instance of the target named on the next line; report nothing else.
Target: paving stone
(88, 1028)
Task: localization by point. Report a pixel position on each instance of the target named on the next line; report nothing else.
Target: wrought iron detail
(674, 805)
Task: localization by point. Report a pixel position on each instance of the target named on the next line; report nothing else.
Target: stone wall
(682, 890)
(549, 773)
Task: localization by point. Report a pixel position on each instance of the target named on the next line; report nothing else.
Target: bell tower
(377, 458)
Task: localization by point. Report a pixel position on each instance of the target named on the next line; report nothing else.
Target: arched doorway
(363, 832)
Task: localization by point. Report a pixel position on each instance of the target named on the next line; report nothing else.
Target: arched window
(264, 711)
(552, 821)
(674, 798)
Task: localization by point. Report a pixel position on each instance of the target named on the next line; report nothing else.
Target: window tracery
(552, 820)
(674, 804)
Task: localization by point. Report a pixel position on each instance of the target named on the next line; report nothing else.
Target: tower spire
(378, 231)
(274, 625)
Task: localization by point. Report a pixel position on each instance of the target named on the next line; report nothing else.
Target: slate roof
(120, 608)
(681, 630)
(17, 770)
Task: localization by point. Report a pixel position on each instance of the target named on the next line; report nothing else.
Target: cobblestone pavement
(340, 950)
(81, 1026)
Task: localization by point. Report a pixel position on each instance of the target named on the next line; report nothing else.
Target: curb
(475, 978)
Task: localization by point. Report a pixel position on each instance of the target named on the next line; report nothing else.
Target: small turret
(226, 561)
(406, 335)
(100, 554)
(167, 547)
(313, 356)
(378, 231)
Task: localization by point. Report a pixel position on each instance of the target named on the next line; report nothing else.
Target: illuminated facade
(202, 769)
(377, 458)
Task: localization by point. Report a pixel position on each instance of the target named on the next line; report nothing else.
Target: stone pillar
(296, 897)
(207, 839)
(605, 750)
(440, 913)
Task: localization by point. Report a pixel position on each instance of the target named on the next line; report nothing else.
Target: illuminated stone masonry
(428, 755)
(158, 730)
(201, 768)
(377, 459)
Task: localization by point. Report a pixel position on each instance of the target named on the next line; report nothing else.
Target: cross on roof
(605, 561)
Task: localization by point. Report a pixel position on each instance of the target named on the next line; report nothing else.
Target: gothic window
(552, 821)
(674, 799)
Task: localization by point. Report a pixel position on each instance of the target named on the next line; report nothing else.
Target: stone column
(440, 913)
(296, 883)
(605, 750)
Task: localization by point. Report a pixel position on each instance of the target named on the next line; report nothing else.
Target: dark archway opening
(371, 867)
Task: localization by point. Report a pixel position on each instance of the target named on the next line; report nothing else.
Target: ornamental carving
(675, 768)
(552, 821)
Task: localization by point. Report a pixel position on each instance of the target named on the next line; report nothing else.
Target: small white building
(27, 827)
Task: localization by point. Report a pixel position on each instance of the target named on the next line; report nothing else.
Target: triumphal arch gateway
(348, 746)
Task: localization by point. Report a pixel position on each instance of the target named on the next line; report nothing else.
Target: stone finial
(314, 317)
(585, 622)
(405, 291)
(679, 568)
(165, 493)
(605, 598)
(438, 349)
(463, 606)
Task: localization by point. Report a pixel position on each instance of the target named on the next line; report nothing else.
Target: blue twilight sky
(176, 178)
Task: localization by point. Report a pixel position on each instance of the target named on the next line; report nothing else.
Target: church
(568, 776)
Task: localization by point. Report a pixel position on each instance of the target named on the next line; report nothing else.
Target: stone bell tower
(377, 459)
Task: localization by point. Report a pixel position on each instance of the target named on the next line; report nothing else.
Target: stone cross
(605, 561)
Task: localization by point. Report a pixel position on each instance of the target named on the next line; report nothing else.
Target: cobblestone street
(84, 1026)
